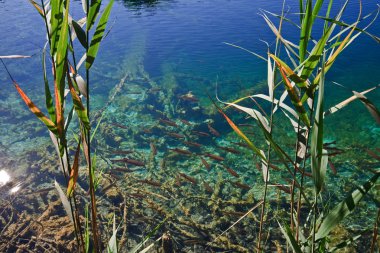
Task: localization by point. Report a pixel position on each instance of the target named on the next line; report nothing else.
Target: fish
(154, 90)
(175, 135)
(206, 164)
(241, 185)
(207, 187)
(188, 178)
(136, 195)
(283, 188)
(200, 133)
(215, 157)
(150, 182)
(213, 130)
(373, 154)
(147, 130)
(274, 167)
(231, 171)
(130, 161)
(189, 97)
(185, 122)
(181, 151)
(241, 144)
(122, 152)
(230, 150)
(122, 169)
(119, 125)
(168, 122)
(332, 167)
(153, 148)
(191, 143)
(234, 213)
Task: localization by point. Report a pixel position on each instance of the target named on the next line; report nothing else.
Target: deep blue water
(186, 38)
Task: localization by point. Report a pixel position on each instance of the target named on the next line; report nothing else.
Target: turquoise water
(177, 47)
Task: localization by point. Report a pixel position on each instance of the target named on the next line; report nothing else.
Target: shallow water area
(164, 149)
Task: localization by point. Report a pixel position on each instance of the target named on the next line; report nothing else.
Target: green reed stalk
(270, 144)
(73, 204)
(87, 137)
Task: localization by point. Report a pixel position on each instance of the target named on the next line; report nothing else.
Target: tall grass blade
(290, 238)
(150, 234)
(64, 200)
(344, 208)
(74, 173)
(98, 36)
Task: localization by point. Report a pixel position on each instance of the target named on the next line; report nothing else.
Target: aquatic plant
(62, 30)
(302, 73)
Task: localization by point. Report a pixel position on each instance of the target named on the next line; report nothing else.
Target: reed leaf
(316, 9)
(278, 103)
(56, 20)
(92, 13)
(84, 6)
(289, 72)
(74, 173)
(347, 101)
(306, 26)
(98, 36)
(318, 156)
(270, 81)
(369, 105)
(312, 61)
(78, 106)
(253, 113)
(14, 56)
(112, 243)
(294, 97)
(36, 111)
(60, 64)
(344, 208)
(256, 150)
(81, 34)
(64, 200)
(38, 7)
(48, 98)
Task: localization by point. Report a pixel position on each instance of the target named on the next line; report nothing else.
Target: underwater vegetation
(154, 170)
